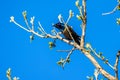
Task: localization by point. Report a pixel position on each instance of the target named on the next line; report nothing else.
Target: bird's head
(59, 26)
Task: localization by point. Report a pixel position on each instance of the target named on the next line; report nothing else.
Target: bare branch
(112, 10)
(96, 73)
(68, 56)
(12, 20)
(80, 8)
(39, 35)
(116, 65)
(27, 24)
(96, 64)
(71, 14)
(61, 19)
(63, 50)
(32, 22)
(84, 21)
(96, 54)
(24, 13)
(40, 27)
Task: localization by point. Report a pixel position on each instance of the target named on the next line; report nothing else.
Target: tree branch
(91, 58)
(65, 23)
(64, 50)
(101, 57)
(116, 65)
(84, 21)
(86, 53)
(68, 57)
(96, 64)
(112, 10)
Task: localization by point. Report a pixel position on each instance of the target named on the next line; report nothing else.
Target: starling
(68, 34)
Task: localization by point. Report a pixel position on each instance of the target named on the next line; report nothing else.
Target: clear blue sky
(35, 61)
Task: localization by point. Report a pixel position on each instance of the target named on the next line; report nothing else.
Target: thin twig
(96, 73)
(21, 26)
(116, 65)
(41, 27)
(68, 56)
(68, 28)
(32, 26)
(65, 23)
(40, 30)
(80, 9)
(100, 57)
(84, 22)
(68, 20)
(63, 50)
(60, 18)
(32, 22)
(81, 12)
(112, 10)
(26, 21)
(39, 35)
(31, 31)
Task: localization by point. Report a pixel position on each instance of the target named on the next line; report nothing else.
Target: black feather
(65, 32)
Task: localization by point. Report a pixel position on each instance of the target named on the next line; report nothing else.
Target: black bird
(68, 33)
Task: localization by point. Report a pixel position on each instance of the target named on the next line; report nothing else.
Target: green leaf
(118, 21)
(103, 58)
(79, 17)
(106, 61)
(31, 37)
(51, 45)
(100, 53)
(60, 62)
(118, 7)
(68, 60)
(24, 13)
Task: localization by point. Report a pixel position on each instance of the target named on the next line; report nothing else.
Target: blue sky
(35, 61)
